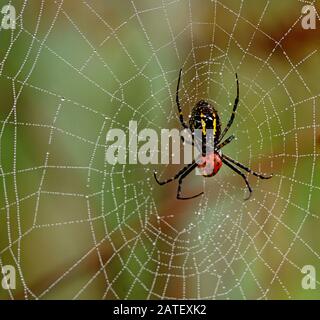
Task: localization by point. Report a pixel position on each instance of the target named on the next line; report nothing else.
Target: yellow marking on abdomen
(203, 124)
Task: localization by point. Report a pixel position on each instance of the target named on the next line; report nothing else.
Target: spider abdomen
(210, 164)
(204, 117)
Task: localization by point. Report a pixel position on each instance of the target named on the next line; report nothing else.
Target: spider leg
(178, 103)
(183, 170)
(225, 142)
(187, 141)
(241, 174)
(235, 106)
(257, 174)
(189, 170)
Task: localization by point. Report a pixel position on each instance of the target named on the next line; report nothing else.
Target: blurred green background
(77, 227)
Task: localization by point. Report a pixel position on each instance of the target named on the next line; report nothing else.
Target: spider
(204, 116)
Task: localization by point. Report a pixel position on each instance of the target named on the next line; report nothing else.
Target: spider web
(76, 227)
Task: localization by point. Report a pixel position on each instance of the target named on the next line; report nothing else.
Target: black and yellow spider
(204, 116)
